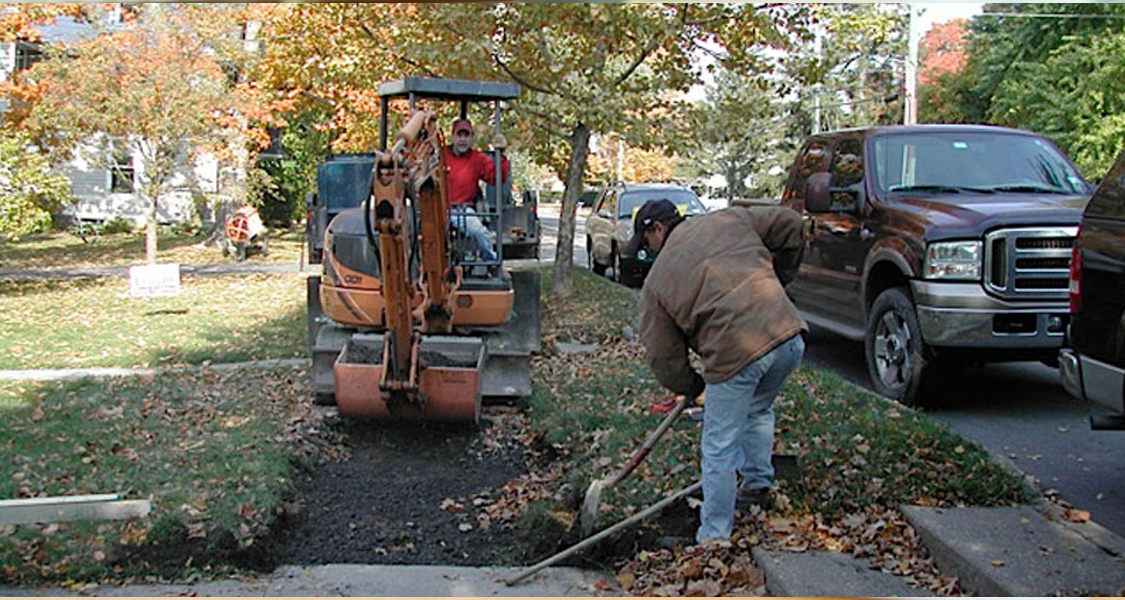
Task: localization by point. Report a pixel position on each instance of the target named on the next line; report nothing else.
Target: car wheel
(615, 258)
(900, 364)
(591, 260)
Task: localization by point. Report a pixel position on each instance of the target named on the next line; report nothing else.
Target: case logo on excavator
(353, 279)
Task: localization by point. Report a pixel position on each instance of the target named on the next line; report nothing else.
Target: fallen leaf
(997, 563)
(465, 527)
(1075, 515)
(37, 414)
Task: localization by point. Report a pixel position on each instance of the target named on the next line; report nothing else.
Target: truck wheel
(615, 258)
(899, 362)
(591, 260)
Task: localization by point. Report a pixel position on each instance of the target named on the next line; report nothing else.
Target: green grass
(210, 451)
(94, 323)
(857, 450)
(60, 249)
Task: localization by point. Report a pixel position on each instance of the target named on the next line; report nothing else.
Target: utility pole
(818, 46)
(910, 116)
(620, 160)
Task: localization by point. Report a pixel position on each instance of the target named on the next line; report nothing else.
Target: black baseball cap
(651, 212)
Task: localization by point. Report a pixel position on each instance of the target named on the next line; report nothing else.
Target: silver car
(610, 225)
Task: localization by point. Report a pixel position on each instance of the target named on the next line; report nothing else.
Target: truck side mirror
(817, 198)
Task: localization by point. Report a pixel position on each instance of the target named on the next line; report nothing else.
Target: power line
(1052, 15)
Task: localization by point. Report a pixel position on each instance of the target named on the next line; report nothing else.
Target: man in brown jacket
(717, 287)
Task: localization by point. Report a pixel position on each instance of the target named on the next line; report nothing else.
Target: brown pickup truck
(936, 245)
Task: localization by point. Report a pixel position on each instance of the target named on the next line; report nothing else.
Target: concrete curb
(820, 574)
(97, 373)
(1014, 552)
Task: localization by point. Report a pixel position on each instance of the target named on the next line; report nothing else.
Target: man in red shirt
(467, 168)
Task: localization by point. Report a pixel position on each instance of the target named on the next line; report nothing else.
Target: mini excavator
(408, 321)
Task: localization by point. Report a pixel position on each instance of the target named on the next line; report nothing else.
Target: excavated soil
(405, 496)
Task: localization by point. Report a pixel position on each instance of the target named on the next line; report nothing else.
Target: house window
(122, 171)
(27, 55)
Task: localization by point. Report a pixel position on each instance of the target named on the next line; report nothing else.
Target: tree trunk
(150, 232)
(564, 252)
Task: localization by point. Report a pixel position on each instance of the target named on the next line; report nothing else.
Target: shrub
(118, 225)
(29, 190)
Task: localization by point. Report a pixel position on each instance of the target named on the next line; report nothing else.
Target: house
(108, 189)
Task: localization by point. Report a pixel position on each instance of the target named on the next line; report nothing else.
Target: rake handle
(653, 437)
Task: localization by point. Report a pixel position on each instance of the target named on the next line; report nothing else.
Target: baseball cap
(462, 125)
(650, 212)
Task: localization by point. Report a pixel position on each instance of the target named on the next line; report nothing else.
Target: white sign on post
(154, 280)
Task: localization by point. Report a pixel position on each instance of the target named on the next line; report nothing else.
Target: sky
(942, 12)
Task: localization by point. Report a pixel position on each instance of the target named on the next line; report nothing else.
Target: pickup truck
(1093, 361)
(936, 245)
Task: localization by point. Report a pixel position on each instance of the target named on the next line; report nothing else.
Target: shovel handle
(653, 437)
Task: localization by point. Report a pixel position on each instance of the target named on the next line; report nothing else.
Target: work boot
(759, 497)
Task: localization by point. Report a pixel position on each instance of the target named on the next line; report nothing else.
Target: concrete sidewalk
(364, 580)
(118, 272)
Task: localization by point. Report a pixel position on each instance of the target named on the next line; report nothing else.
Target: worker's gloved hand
(499, 141)
(697, 387)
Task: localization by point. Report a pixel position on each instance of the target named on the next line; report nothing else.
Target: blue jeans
(467, 222)
(738, 428)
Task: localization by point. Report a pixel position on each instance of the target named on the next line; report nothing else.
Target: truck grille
(1028, 263)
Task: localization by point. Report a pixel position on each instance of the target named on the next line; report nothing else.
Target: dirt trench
(405, 496)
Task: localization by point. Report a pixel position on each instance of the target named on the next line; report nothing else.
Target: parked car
(610, 225)
(1092, 363)
(936, 245)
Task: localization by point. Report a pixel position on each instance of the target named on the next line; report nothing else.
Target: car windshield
(686, 200)
(973, 162)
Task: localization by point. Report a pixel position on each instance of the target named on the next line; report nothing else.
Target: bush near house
(29, 190)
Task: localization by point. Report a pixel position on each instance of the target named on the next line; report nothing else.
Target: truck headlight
(953, 260)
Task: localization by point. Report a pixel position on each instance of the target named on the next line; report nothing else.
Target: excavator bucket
(449, 384)
(507, 367)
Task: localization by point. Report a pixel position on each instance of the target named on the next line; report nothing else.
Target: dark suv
(610, 225)
(936, 245)
(1093, 364)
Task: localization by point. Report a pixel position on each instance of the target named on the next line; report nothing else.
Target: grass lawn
(94, 323)
(861, 455)
(216, 452)
(60, 249)
(213, 452)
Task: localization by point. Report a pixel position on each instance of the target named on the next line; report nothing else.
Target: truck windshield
(973, 161)
(685, 200)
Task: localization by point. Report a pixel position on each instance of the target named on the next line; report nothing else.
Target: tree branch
(544, 126)
(396, 55)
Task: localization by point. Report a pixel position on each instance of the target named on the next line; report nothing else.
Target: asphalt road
(1020, 411)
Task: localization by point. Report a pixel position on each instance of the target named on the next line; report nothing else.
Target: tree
(583, 68)
(161, 86)
(943, 59)
(857, 75)
(637, 164)
(1058, 76)
(738, 131)
(30, 192)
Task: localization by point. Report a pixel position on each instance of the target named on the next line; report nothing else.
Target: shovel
(588, 518)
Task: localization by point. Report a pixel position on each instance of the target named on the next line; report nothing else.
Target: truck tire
(900, 364)
(615, 260)
(591, 260)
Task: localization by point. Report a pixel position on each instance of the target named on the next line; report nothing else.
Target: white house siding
(95, 203)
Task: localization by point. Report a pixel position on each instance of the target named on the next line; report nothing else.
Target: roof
(449, 89)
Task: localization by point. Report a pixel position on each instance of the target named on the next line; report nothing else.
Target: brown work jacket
(717, 287)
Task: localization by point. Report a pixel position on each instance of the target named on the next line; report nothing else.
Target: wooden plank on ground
(99, 507)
